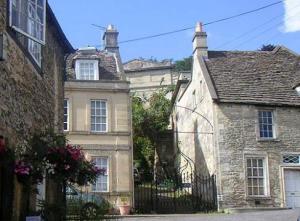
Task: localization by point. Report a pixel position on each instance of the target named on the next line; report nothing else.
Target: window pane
(266, 124)
(250, 191)
(255, 176)
(27, 17)
(98, 113)
(255, 172)
(261, 191)
(249, 172)
(255, 191)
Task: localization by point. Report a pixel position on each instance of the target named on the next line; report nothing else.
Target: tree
(268, 47)
(148, 123)
(184, 65)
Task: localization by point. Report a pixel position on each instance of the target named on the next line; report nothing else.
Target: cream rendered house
(98, 115)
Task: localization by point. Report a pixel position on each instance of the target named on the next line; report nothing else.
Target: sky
(279, 24)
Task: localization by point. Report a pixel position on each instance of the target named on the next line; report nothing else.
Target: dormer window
(87, 70)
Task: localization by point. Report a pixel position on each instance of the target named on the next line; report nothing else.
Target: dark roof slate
(258, 77)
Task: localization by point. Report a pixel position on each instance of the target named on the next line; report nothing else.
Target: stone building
(98, 115)
(148, 76)
(239, 118)
(31, 85)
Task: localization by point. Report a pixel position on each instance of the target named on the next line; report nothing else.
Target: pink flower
(21, 168)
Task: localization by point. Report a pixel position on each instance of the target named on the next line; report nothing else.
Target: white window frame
(265, 175)
(95, 115)
(106, 173)
(67, 114)
(42, 39)
(81, 61)
(273, 125)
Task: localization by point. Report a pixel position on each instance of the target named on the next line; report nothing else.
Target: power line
(205, 24)
(248, 32)
(261, 33)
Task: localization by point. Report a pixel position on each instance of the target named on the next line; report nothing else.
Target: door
(292, 188)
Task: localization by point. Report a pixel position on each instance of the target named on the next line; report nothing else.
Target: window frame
(95, 66)
(27, 34)
(265, 176)
(274, 131)
(106, 116)
(107, 171)
(68, 114)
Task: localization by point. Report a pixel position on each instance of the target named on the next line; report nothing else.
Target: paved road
(279, 215)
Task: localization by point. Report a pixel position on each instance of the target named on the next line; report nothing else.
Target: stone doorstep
(256, 209)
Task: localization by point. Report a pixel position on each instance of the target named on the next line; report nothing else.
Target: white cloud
(291, 15)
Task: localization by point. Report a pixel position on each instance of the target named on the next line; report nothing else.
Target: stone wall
(31, 98)
(193, 123)
(144, 82)
(237, 137)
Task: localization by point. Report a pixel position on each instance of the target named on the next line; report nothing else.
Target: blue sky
(278, 24)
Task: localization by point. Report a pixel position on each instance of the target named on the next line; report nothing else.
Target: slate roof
(258, 77)
(107, 64)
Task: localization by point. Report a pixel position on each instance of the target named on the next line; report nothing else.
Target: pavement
(276, 215)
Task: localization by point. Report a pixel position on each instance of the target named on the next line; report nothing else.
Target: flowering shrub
(68, 163)
(48, 153)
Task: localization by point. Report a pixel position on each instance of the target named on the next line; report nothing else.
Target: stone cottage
(239, 118)
(98, 115)
(32, 51)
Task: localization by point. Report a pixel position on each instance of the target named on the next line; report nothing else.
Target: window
(194, 99)
(101, 184)
(256, 179)
(98, 116)
(87, 70)
(28, 17)
(291, 159)
(34, 48)
(66, 114)
(266, 124)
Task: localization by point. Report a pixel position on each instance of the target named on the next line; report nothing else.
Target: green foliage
(149, 120)
(184, 65)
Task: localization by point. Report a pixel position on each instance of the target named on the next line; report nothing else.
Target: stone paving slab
(280, 215)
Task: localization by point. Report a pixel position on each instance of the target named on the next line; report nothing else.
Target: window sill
(102, 192)
(268, 140)
(258, 198)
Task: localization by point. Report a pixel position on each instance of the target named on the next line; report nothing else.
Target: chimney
(200, 41)
(110, 39)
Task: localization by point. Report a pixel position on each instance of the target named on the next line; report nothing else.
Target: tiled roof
(260, 77)
(107, 64)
